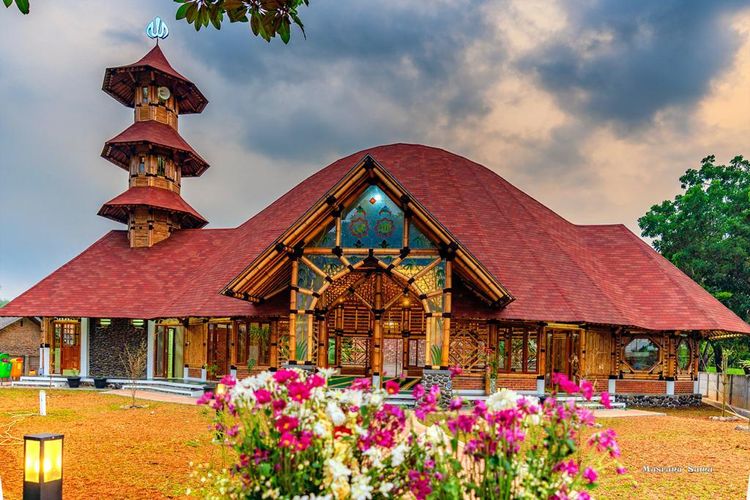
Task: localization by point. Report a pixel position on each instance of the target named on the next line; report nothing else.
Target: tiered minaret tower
(151, 149)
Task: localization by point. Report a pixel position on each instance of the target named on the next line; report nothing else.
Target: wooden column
(310, 338)
(582, 349)
(274, 345)
(322, 341)
(445, 359)
(293, 314)
(377, 341)
(428, 327)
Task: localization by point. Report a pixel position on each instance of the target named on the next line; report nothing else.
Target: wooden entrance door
(66, 347)
(219, 335)
(393, 357)
(560, 351)
(164, 351)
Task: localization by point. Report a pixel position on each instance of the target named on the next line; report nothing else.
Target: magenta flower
(570, 468)
(621, 470)
(605, 400)
(262, 396)
(587, 389)
(287, 440)
(418, 392)
(299, 391)
(456, 371)
(392, 387)
(590, 475)
(286, 423)
(361, 384)
(278, 405)
(456, 403)
(283, 376)
(316, 381)
(567, 385)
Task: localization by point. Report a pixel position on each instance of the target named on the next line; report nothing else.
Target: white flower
(337, 469)
(502, 400)
(352, 397)
(397, 455)
(361, 489)
(376, 398)
(374, 454)
(335, 414)
(319, 429)
(327, 372)
(385, 488)
(435, 435)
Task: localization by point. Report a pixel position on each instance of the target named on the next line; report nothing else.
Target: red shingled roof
(119, 83)
(557, 271)
(117, 149)
(116, 209)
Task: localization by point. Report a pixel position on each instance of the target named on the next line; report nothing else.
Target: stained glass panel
(307, 278)
(372, 221)
(326, 239)
(516, 354)
(329, 265)
(417, 239)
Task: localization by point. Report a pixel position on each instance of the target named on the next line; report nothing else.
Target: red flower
(282, 376)
(606, 401)
(287, 440)
(262, 396)
(299, 391)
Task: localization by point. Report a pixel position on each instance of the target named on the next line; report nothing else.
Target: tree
(705, 231)
(267, 18)
(3, 302)
(134, 358)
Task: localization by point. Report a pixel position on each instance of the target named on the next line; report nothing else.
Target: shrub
(290, 436)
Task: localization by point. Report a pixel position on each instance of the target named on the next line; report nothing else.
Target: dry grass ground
(683, 438)
(111, 452)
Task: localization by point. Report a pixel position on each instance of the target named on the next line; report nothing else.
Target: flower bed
(293, 437)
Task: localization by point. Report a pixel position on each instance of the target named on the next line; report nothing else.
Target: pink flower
(232, 431)
(587, 389)
(570, 467)
(287, 440)
(282, 376)
(582, 495)
(456, 371)
(418, 392)
(316, 381)
(262, 396)
(278, 405)
(590, 475)
(286, 423)
(567, 385)
(299, 391)
(621, 470)
(304, 441)
(392, 387)
(456, 403)
(361, 384)
(606, 401)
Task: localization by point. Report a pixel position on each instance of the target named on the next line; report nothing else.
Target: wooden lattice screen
(468, 343)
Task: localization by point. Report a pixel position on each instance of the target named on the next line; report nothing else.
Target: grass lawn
(111, 452)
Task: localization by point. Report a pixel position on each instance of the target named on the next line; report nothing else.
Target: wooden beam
(447, 311)
(293, 314)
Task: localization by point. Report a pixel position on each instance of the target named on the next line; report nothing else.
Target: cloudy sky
(593, 107)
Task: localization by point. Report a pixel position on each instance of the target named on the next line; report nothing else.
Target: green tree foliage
(705, 231)
(23, 5)
(267, 18)
(3, 302)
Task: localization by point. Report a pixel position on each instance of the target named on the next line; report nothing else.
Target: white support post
(186, 372)
(84, 370)
(150, 339)
(44, 367)
(696, 386)
(670, 387)
(612, 386)
(540, 385)
(204, 373)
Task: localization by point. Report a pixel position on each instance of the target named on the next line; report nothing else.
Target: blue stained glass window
(307, 278)
(329, 265)
(326, 239)
(304, 301)
(417, 239)
(372, 221)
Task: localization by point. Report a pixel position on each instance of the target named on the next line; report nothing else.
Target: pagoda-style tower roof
(151, 132)
(119, 208)
(118, 82)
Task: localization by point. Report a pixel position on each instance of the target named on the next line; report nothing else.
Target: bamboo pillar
(322, 341)
(445, 358)
(377, 350)
(428, 322)
(293, 314)
(582, 352)
(274, 344)
(310, 339)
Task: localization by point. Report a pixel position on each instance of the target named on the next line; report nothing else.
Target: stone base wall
(441, 378)
(659, 400)
(107, 347)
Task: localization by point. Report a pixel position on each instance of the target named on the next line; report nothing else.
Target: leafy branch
(23, 5)
(267, 18)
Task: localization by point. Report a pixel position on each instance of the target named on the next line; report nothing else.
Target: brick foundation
(107, 347)
(642, 387)
(683, 387)
(517, 384)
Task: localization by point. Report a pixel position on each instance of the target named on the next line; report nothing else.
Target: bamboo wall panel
(598, 352)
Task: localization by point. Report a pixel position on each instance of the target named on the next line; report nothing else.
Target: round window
(683, 354)
(641, 354)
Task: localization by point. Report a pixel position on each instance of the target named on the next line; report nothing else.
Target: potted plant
(100, 382)
(746, 366)
(74, 380)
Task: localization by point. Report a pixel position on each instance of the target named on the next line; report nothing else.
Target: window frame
(629, 340)
(506, 335)
(242, 358)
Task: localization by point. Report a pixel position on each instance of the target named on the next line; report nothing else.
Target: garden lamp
(43, 467)
(220, 389)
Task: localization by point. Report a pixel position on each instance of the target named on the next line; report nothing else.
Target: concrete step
(164, 388)
(41, 384)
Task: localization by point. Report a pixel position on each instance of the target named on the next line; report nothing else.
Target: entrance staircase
(188, 388)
